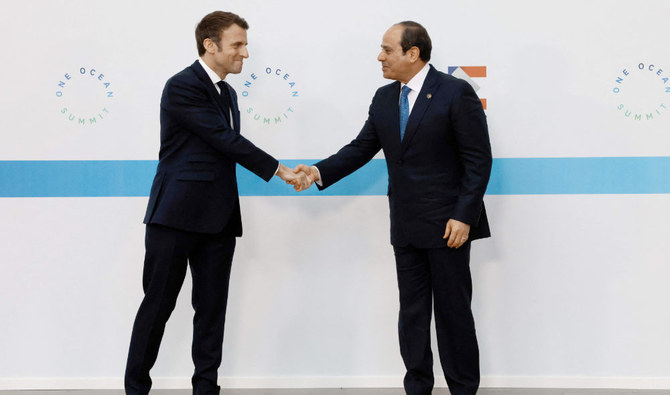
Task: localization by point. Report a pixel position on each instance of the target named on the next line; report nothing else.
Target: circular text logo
(642, 91)
(84, 96)
(268, 97)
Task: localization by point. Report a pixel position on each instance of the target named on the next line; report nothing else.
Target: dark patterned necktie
(225, 98)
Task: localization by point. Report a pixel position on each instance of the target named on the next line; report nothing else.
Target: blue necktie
(404, 110)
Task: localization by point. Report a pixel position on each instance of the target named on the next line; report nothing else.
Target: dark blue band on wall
(510, 176)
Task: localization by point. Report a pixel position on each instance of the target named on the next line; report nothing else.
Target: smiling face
(228, 56)
(397, 65)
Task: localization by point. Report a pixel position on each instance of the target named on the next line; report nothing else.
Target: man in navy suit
(433, 131)
(193, 215)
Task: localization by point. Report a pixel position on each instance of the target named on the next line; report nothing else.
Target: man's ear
(414, 54)
(210, 46)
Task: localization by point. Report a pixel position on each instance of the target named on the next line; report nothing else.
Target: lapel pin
(428, 96)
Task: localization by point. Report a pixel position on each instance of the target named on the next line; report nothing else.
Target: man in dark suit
(193, 215)
(433, 131)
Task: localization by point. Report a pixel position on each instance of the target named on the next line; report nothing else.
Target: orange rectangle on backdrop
(475, 71)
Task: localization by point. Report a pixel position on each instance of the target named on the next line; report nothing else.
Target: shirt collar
(416, 82)
(210, 73)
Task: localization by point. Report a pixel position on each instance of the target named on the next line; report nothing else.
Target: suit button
(399, 161)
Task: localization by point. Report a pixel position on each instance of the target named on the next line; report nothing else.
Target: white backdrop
(570, 291)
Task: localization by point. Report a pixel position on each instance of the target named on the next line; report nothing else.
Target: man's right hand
(310, 172)
(297, 179)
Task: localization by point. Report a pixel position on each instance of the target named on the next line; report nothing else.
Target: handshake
(301, 177)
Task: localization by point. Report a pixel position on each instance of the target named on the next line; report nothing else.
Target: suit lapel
(422, 103)
(209, 86)
(391, 116)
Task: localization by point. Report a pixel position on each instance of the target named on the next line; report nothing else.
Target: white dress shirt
(211, 74)
(415, 85)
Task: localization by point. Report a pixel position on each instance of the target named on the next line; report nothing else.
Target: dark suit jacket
(441, 168)
(195, 188)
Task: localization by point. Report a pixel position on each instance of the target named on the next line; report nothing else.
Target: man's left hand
(457, 233)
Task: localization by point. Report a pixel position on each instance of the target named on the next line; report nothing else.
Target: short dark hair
(416, 35)
(213, 24)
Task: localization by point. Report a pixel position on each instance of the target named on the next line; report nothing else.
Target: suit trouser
(442, 276)
(168, 254)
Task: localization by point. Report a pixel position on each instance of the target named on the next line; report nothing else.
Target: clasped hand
(301, 177)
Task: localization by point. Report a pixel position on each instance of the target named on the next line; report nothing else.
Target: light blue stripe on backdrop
(510, 176)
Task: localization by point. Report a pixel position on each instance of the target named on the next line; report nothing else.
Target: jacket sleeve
(352, 156)
(474, 150)
(189, 105)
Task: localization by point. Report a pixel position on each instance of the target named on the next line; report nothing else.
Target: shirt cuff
(318, 182)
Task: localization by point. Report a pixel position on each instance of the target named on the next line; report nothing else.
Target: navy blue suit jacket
(195, 188)
(441, 168)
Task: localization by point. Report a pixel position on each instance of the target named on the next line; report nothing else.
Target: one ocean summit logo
(642, 91)
(84, 95)
(269, 96)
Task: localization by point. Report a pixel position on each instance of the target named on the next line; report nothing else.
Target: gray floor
(352, 391)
